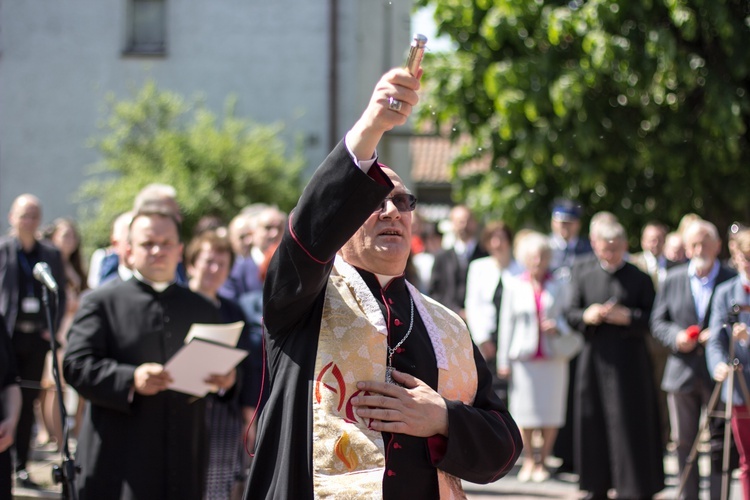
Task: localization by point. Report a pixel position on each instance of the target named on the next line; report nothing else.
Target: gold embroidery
(346, 453)
(348, 456)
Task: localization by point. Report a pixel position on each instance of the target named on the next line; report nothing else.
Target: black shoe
(592, 495)
(23, 480)
(565, 468)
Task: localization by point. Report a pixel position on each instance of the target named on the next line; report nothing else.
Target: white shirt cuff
(364, 165)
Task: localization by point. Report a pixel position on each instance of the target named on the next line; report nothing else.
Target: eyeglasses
(404, 202)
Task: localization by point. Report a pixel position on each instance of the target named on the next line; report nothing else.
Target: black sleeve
(335, 203)
(484, 441)
(640, 313)
(7, 357)
(575, 305)
(87, 365)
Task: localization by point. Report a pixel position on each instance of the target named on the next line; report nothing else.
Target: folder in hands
(208, 349)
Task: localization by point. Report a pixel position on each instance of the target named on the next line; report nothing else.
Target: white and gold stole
(348, 456)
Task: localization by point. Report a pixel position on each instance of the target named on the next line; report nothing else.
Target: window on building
(146, 27)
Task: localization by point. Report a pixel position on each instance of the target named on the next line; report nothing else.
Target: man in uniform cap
(566, 243)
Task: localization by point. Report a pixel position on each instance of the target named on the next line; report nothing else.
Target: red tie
(747, 289)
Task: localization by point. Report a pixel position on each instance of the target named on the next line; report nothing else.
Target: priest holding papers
(139, 439)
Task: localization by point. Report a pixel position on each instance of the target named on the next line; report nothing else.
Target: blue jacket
(728, 294)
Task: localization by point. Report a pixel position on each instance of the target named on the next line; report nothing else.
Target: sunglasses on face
(403, 202)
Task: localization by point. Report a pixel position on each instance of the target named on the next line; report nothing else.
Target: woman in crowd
(531, 312)
(64, 234)
(484, 287)
(209, 259)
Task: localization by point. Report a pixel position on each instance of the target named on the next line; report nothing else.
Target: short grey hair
(609, 230)
(700, 224)
(532, 243)
(598, 219)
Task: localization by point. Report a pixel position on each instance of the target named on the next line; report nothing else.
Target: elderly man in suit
(680, 320)
(21, 305)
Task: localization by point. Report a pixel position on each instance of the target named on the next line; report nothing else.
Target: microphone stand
(67, 473)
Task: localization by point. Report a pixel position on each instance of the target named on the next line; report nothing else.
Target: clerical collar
(124, 272)
(158, 286)
(613, 269)
(384, 280)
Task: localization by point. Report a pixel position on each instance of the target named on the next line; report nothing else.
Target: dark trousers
(685, 413)
(563, 448)
(5, 472)
(30, 349)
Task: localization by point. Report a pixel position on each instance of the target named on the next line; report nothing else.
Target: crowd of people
(638, 384)
(393, 362)
(116, 326)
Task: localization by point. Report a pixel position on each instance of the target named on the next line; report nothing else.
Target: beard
(702, 263)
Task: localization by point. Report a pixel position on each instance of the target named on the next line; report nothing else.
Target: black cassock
(484, 441)
(154, 447)
(617, 436)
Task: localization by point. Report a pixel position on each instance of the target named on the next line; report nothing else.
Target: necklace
(392, 350)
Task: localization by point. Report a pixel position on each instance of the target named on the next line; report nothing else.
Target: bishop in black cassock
(323, 428)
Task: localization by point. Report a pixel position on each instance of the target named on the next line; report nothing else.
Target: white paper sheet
(227, 334)
(194, 362)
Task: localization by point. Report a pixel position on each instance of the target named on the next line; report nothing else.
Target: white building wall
(59, 60)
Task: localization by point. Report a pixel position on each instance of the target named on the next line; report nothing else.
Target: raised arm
(378, 117)
(337, 200)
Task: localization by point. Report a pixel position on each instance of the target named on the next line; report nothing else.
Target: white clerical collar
(124, 272)
(158, 286)
(384, 279)
(612, 269)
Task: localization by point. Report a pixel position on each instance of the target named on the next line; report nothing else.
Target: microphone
(43, 275)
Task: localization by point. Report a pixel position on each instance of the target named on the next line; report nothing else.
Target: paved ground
(508, 488)
(566, 487)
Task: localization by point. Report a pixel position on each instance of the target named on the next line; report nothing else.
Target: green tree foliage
(639, 107)
(216, 167)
